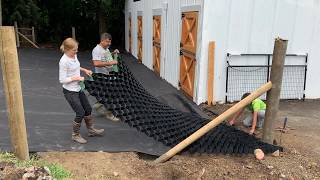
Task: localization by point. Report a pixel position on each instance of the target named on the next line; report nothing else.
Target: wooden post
(13, 93)
(16, 32)
(73, 33)
(273, 96)
(211, 100)
(33, 35)
(0, 13)
(213, 123)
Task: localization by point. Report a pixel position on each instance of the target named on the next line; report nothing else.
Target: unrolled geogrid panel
(127, 99)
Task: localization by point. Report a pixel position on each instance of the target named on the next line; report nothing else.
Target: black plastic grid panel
(128, 100)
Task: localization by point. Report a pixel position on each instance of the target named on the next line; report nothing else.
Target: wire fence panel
(242, 79)
(247, 78)
(293, 82)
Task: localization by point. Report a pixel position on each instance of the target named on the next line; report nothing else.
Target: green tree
(103, 11)
(25, 12)
(53, 19)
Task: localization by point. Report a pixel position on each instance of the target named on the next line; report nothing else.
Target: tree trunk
(273, 96)
(102, 21)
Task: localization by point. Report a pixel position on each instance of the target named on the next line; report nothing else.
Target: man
(103, 61)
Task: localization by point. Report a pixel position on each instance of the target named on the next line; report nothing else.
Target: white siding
(171, 27)
(250, 26)
(133, 8)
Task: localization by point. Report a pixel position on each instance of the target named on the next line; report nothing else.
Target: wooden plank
(211, 55)
(213, 123)
(73, 31)
(12, 88)
(27, 29)
(16, 33)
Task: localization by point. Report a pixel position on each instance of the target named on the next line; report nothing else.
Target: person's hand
(114, 62)
(251, 131)
(77, 78)
(116, 51)
(88, 72)
(231, 122)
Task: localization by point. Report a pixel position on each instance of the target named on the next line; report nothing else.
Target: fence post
(210, 92)
(33, 35)
(16, 33)
(12, 88)
(73, 33)
(0, 12)
(273, 96)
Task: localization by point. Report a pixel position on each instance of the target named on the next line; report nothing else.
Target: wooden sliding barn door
(130, 35)
(156, 44)
(140, 39)
(188, 47)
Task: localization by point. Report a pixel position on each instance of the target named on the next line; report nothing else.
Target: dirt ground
(300, 159)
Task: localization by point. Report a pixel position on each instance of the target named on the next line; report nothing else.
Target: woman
(69, 77)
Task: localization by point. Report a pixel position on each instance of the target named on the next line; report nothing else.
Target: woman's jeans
(79, 103)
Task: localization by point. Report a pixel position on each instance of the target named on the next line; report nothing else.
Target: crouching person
(255, 119)
(69, 77)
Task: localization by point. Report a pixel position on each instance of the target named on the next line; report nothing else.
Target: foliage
(56, 170)
(25, 12)
(53, 19)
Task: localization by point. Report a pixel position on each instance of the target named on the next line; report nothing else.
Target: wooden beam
(273, 96)
(211, 55)
(28, 40)
(213, 123)
(0, 12)
(73, 30)
(12, 88)
(33, 35)
(16, 33)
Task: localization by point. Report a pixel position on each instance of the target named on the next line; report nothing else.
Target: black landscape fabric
(49, 117)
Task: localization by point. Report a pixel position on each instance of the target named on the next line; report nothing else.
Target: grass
(56, 170)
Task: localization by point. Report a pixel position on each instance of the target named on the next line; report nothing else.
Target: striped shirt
(101, 54)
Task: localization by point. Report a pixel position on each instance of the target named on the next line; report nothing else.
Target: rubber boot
(91, 130)
(76, 133)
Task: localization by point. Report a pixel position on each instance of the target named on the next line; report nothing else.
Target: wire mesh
(247, 78)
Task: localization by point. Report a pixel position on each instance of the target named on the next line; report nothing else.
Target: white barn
(171, 37)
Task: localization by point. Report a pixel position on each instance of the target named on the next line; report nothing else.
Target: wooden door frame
(163, 13)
